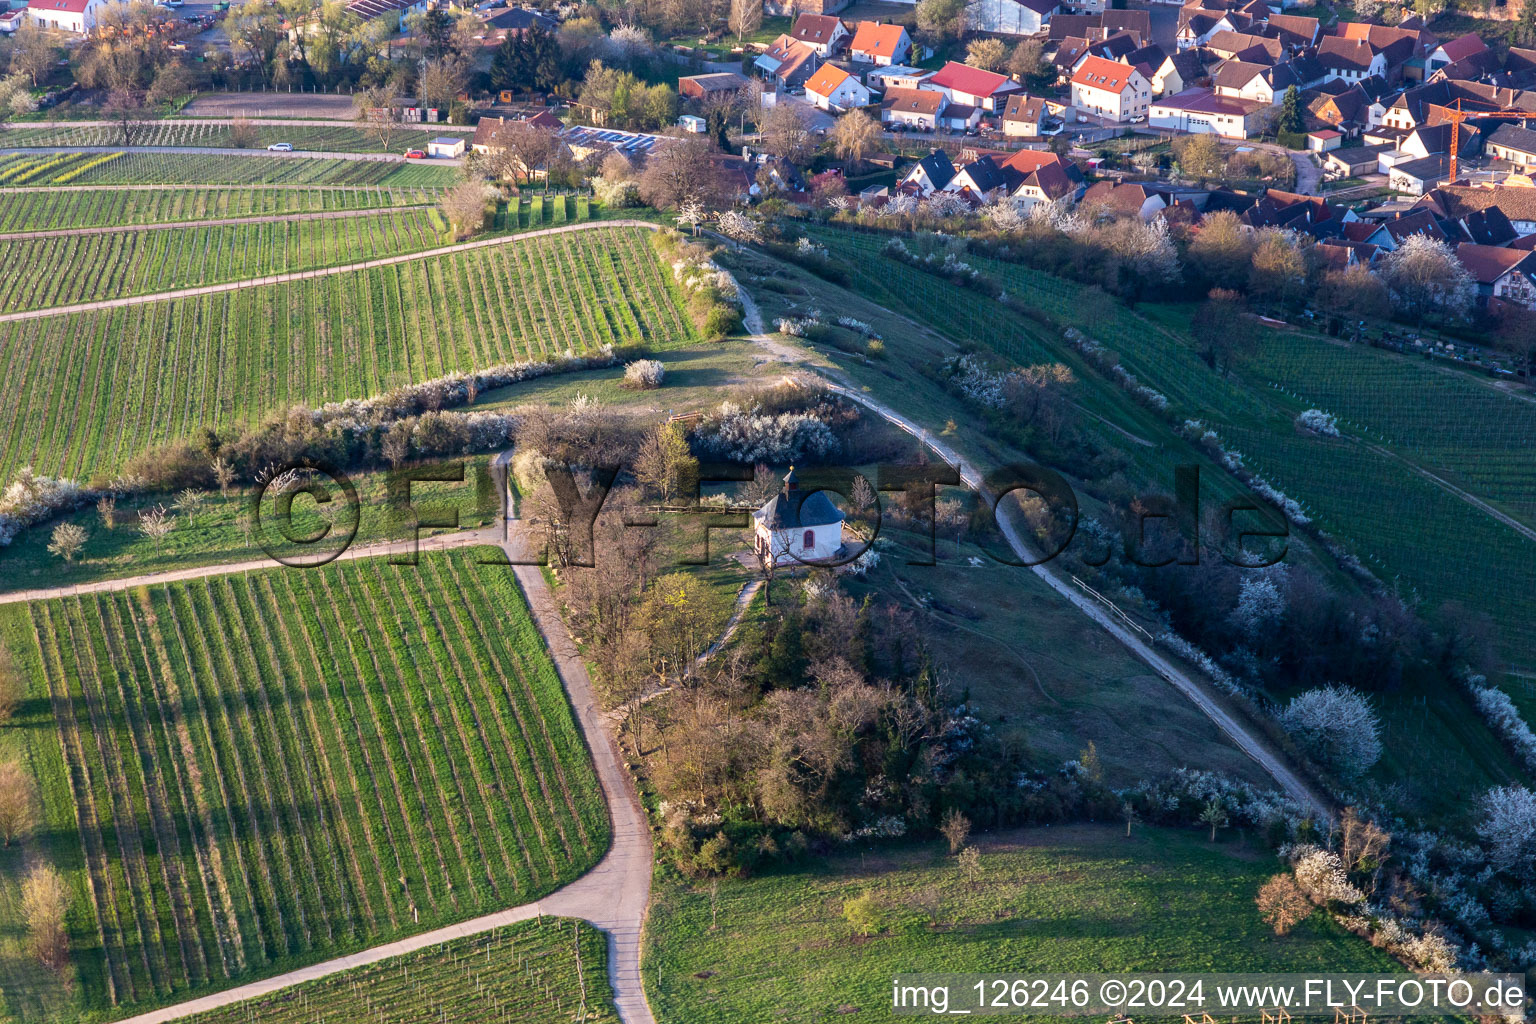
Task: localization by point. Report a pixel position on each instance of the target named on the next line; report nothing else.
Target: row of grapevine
(340, 138)
(140, 168)
(83, 392)
(278, 767)
(89, 208)
(64, 269)
(535, 972)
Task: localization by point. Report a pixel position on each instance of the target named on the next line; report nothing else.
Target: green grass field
(925, 320)
(83, 392)
(61, 270)
(53, 209)
(339, 138)
(523, 974)
(242, 774)
(1077, 898)
(129, 168)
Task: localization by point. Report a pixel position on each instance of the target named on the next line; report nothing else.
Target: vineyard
(340, 138)
(527, 973)
(260, 771)
(59, 270)
(81, 393)
(21, 169)
(55, 209)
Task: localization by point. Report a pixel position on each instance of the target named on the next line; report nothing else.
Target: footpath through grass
(1077, 898)
(535, 972)
(243, 774)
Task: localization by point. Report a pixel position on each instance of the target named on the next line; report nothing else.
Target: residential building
(1417, 176)
(879, 44)
(1110, 90)
(1200, 110)
(1129, 199)
(916, 108)
(1350, 59)
(1513, 143)
(788, 62)
(930, 174)
(1023, 116)
(832, 88)
(1468, 51)
(1180, 71)
(76, 17)
(823, 33)
(1505, 274)
(896, 76)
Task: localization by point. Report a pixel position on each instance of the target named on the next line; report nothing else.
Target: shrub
(1336, 725)
(865, 913)
(644, 374)
(1318, 422)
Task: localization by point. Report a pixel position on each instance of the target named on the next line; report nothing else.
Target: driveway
(815, 116)
(1308, 175)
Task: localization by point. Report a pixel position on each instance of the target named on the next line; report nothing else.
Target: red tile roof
(876, 39)
(1488, 263)
(816, 29)
(913, 101)
(969, 80)
(826, 81)
(1102, 74)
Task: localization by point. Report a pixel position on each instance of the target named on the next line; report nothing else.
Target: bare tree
(441, 81)
(746, 17)
(18, 806)
(125, 109)
(683, 170)
(106, 510)
(854, 137)
(956, 829)
(33, 51)
(380, 115)
(518, 150)
(223, 474)
(465, 206)
(43, 903)
(242, 133)
(68, 539)
(1282, 904)
(787, 134)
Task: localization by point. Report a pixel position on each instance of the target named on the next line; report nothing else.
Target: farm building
(393, 12)
(796, 526)
(74, 16)
(444, 146)
(1010, 17)
(700, 87)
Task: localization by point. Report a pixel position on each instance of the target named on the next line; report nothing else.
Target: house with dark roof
(1513, 143)
(1350, 59)
(1010, 17)
(1256, 48)
(1468, 52)
(823, 33)
(1344, 107)
(1039, 176)
(985, 179)
(1415, 177)
(1293, 30)
(719, 83)
(788, 62)
(1198, 24)
(1457, 202)
(930, 174)
(1508, 275)
(797, 526)
(1130, 199)
(1310, 215)
(1180, 71)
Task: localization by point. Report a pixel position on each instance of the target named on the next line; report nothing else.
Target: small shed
(1323, 141)
(446, 147)
(693, 123)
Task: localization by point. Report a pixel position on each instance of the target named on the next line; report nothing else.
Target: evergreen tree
(1290, 112)
(527, 60)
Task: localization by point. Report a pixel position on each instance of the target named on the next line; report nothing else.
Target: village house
(879, 44)
(1179, 71)
(1023, 116)
(823, 33)
(1042, 177)
(76, 17)
(929, 175)
(1514, 144)
(1417, 176)
(1201, 111)
(788, 63)
(1113, 91)
(832, 88)
(1508, 275)
(916, 108)
(795, 526)
(1350, 59)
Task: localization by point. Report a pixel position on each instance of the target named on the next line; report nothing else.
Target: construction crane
(1455, 116)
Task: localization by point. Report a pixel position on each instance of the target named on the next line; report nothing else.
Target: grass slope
(1078, 898)
(534, 972)
(81, 393)
(243, 774)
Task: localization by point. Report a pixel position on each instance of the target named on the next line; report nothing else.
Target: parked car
(1138, 119)
(415, 154)
(897, 127)
(1052, 127)
(280, 147)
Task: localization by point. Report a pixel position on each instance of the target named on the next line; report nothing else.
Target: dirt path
(1471, 499)
(301, 275)
(738, 612)
(614, 896)
(272, 218)
(1196, 691)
